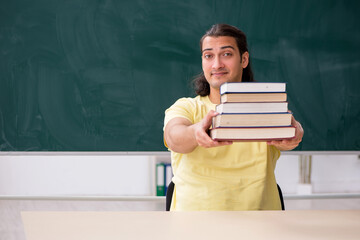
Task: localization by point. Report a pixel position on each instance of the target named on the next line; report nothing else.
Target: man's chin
(219, 81)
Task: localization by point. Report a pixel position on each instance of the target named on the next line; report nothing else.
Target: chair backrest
(169, 194)
(281, 197)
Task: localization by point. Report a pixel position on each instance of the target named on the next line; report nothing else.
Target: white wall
(336, 173)
(75, 175)
(134, 175)
(287, 173)
(329, 173)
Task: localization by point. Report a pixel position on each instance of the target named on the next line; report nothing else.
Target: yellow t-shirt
(235, 177)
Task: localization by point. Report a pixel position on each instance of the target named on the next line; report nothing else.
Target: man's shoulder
(190, 105)
(191, 100)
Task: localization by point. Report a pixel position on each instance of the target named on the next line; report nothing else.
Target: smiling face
(221, 61)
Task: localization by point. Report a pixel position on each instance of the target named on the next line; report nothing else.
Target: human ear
(245, 59)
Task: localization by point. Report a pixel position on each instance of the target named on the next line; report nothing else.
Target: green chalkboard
(97, 75)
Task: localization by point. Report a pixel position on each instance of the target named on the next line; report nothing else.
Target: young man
(212, 175)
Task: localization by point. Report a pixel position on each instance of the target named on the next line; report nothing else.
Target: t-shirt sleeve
(181, 108)
(275, 153)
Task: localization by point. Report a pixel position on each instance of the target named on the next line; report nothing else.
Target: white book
(252, 134)
(251, 120)
(264, 107)
(256, 87)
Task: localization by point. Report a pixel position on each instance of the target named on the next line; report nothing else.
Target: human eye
(207, 55)
(227, 54)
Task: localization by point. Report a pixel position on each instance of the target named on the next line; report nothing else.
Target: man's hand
(289, 144)
(201, 135)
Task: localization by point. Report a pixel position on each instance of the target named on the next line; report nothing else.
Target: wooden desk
(338, 224)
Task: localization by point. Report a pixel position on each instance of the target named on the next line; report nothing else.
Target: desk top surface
(333, 224)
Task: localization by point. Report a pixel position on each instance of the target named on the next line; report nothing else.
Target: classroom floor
(11, 227)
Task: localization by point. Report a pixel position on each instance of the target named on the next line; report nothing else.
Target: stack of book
(252, 111)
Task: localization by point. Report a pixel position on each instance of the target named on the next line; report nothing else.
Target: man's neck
(214, 96)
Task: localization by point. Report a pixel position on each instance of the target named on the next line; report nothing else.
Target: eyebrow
(223, 47)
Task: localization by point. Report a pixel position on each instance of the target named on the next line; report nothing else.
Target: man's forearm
(181, 139)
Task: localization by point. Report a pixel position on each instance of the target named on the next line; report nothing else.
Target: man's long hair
(200, 83)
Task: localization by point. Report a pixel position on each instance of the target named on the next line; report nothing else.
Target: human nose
(217, 63)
